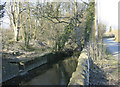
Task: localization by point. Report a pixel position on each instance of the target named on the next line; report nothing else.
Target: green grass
(109, 64)
(107, 53)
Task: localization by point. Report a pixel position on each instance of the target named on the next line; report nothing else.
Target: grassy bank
(104, 71)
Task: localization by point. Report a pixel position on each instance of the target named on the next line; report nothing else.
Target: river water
(58, 73)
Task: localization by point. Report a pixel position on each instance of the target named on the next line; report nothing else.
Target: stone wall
(81, 75)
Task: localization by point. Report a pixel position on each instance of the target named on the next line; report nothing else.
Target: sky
(107, 13)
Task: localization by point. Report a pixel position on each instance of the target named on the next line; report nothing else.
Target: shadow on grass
(97, 76)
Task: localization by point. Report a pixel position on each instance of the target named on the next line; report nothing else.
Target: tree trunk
(35, 30)
(15, 19)
(16, 33)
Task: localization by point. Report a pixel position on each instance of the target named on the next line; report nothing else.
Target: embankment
(13, 68)
(81, 75)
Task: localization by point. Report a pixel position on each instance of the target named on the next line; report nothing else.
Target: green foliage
(56, 23)
(26, 37)
(63, 38)
(101, 30)
(89, 20)
(60, 43)
(69, 28)
(73, 23)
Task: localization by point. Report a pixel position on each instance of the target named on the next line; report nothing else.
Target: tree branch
(57, 20)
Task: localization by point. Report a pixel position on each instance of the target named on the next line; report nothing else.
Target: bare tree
(14, 12)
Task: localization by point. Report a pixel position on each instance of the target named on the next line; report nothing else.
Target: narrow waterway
(58, 73)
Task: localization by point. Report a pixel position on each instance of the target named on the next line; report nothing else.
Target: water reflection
(49, 74)
(58, 74)
(50, 77)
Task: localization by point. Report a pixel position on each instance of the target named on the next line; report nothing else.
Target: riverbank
(64, 65)
(81, 75)
(13, 67)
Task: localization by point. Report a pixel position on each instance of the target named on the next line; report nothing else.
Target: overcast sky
(107, 13)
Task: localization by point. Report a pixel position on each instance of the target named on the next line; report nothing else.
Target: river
(58, 73)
